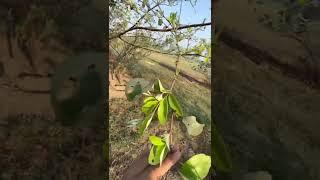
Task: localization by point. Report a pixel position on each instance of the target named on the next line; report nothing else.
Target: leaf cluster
(159, 150)
(159, 101)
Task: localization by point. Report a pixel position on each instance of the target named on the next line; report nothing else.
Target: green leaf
(156, 87)
(202, 48)
(175, 105)
(146, 122)
(167, 91)
(156, 140)
(152, 156)
(156, 154)
(148, 17)
(172, 17)
(161, 88)
(222, 158)
(163, 111)
(149, 106)
(193, 127)
(147, 99)
(197, 167)
(189, 30)
(189, 173)
(159, 150)
(160, 22)
(166, 138)
(206, 59)
(163, 154)
(159, 97)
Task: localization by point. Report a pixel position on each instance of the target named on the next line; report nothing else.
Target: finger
(143, 156)
(172, 158)
(138, 164)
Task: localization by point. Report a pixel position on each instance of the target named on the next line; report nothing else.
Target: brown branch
(171, 127)
(147, 37)
(135, 24)
(169, 53)
(143, 16)
(159, 30)
(173, 82)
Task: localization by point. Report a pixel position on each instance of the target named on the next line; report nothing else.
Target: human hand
(140, 169)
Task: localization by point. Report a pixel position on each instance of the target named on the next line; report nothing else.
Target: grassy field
(195, 100)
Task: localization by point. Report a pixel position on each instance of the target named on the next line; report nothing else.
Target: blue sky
(193, 15)
(190, 15)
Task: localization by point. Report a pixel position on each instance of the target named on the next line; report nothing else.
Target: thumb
(172, 158)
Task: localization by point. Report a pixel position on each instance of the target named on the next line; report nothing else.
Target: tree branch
(159, 30)
(169, 53)
(143, 16)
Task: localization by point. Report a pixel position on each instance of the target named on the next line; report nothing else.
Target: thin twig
(169, 53)
(173, 82)
(174, 32)
(171, 128)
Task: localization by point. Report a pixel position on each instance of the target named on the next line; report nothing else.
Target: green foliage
(173, 19)
(146, 122)
(149, 105)
(160, 99)
(156, 141)
(173, 16)
(159, 150)
(196, 168)
(158, 87)
(163, 111)
(157, 101)
(174, 104)
(160, 22)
